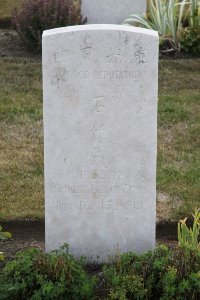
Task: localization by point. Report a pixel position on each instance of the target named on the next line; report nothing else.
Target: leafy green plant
(36, 275)
(189, 237)
(164, 17)
(4, 235)
(1, 256)
(194, 13)
(190, 35)
(160, 274)
(190, 40)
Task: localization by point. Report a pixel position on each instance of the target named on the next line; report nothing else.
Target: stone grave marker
(100, 136)
(111, 11)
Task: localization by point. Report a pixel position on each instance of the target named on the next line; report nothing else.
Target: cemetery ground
(21, 138)
(21, 146)
(6, 7)
(21, 155)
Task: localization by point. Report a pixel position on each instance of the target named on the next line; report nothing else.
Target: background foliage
(36, 275)
(163, 274)
(35, 16)
(177, 22)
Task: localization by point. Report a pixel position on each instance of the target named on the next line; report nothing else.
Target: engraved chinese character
(99, 105)
(139, 54)
(98, 131)
(86, 48)
(107, 204)
(59, 78)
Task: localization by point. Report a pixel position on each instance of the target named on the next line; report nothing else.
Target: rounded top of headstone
(99, 27)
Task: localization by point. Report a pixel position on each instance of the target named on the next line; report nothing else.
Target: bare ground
(11, 46)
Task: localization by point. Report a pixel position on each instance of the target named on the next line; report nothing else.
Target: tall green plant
(165, 16)
(194, 13)
(1, 256)
(189, 237)
(3, 236)
(174, 13)
(155, 20)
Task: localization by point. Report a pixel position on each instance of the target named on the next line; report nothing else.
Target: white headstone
(111, 11)
(100, 132)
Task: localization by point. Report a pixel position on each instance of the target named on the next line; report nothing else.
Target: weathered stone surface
(111, 11)
(100, 125)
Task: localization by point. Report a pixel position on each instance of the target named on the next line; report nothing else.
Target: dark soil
(24, 235)
(27, 234)
(5, 22)
(11, 45)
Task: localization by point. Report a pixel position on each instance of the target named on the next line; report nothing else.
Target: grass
(7, 6)
(179, 134)
(21, 139)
